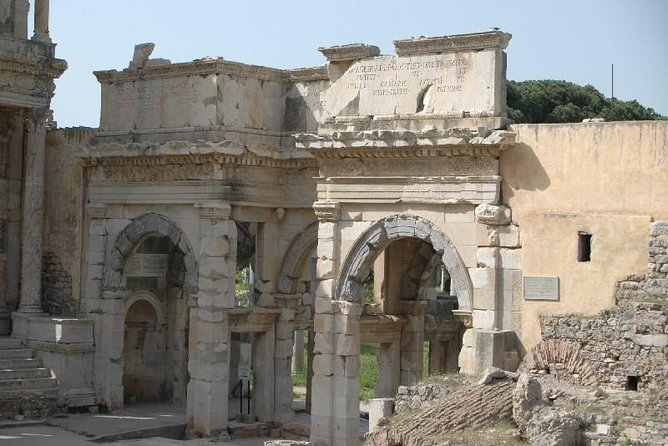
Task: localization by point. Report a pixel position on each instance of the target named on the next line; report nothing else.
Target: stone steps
(20, 363)
(33, 372)
(10, 343)
(27, 388)
(12, 353)
(28, 383)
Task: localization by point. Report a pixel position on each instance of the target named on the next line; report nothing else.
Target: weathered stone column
(389, 369)
(32, 222)
(412, 343)
(298, 352)
(285, 332)
(42, 21)
(208, 352)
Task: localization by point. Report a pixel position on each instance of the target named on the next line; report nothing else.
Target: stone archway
(116, 298)
(139, 228)
(379, 235)
(296, 258)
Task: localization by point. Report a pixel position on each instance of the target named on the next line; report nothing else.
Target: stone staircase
(27, 388)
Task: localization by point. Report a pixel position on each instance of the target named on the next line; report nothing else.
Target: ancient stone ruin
(224, 217)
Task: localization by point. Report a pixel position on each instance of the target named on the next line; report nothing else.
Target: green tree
(539, 101)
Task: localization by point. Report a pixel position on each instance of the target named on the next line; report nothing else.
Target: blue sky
(571, 40)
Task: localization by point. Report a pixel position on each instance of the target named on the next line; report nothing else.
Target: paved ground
(56, 436)
(79, 429)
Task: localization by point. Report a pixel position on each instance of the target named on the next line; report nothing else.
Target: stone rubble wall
(32, 405)
(630, 339)
(57, 288)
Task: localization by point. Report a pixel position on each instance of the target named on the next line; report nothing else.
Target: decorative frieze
(405, 144)
(327, 211)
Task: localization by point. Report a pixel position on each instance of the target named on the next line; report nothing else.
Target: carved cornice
(211, 66)
(326, 211)
(188, 153)
(308, 74)
(449, 44)
(405, 144)
(351, 51)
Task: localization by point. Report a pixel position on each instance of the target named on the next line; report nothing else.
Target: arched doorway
(144, 358)
(418, 282)
(149, 275)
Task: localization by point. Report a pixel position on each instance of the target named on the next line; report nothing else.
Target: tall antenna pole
(612, 85)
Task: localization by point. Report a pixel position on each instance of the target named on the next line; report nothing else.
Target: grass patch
(500, 432)
(368, 372)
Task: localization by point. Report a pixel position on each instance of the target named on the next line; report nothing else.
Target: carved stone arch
(559, 351)
(151, 299)
(296, 259)
(134, 232)
(379, 235)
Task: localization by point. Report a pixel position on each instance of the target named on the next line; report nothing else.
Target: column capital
(36, 120)
(327, 211)
(214, 210)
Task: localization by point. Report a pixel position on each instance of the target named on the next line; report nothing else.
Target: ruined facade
(222, 209)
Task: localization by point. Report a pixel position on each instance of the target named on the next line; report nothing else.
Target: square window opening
(632, 383)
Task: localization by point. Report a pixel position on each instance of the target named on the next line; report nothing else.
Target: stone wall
(623, 192)
(629, 341)
(57, 288)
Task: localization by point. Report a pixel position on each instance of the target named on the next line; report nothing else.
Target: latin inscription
(376, 76)
(541, 288)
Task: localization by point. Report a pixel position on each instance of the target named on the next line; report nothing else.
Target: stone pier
(208, 361)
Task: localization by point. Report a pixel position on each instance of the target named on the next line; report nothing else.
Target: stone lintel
(253, 320)
(349, 52)
(449, 44)
(383, 328)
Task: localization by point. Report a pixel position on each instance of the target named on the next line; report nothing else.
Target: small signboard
(244, 372)
(147, 265)
(541, 288)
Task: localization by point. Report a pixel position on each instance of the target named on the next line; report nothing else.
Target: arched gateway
(380, 235)
(151, 258)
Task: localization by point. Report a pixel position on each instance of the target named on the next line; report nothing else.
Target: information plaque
(541, 288)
